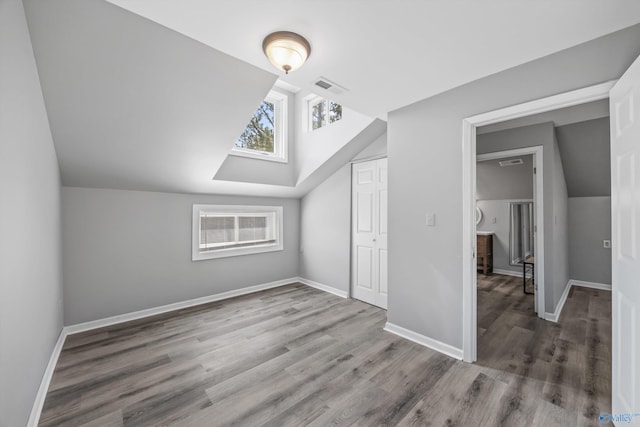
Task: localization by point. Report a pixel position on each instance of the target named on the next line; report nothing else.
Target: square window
(323, 112)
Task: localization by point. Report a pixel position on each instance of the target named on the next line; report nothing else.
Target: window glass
(259, 135)
(318, 115)
(221, 231)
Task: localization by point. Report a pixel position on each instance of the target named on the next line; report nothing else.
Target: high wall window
(265, 137)
(323, 112)
(223, 231)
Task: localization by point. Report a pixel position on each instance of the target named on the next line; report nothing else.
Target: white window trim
(280, 137)
(197, 255)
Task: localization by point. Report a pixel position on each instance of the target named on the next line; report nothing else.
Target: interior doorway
(470, 125)
(507, 198)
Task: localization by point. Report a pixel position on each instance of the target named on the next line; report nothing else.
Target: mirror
(520, 232)
(478, 215)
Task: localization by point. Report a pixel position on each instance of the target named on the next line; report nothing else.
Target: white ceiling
(393, 53)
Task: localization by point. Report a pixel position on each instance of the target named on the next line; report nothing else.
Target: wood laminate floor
(295, 355)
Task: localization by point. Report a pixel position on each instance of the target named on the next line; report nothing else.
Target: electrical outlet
(606, 244)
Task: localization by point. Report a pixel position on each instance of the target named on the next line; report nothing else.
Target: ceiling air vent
(511, 162)
(329, 86)
(323, 84)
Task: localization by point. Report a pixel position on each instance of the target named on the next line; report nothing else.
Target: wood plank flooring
(295, 355)
(566, 364)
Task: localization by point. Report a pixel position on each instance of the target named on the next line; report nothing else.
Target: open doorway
(577, 171)
(470, 126)
(506, 202)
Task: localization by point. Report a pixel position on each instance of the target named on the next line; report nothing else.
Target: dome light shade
(286, 50)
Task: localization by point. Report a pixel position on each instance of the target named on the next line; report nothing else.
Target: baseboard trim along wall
(509, 273)
(323, 287)
(436, 345)
(36, 409)
(100, 323)
(594, 285)
(555, 316)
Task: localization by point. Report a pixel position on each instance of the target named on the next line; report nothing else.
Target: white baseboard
(553, 317)
(556, 314)
(100, 323)
(436, 345)
(510, 273)
(36, 409)
(323, 287)
(594, 285)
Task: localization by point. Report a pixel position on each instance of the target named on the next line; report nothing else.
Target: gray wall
(425, 175)
(131, 250)
(555, 195)
(326, 231)
(325, 235)
(585, 150)
(589, 225)
(495, 182)
(30, 252)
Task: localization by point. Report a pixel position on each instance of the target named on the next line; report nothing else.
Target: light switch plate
(431, 219)
(606, 244)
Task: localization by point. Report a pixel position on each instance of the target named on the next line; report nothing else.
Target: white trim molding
(121, 318)
(469, 124)
(555, 316)
(594, 285)
(425, 341)
(510, 273)
(323, 287)
(36, 409)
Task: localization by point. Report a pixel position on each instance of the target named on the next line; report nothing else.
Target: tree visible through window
(259, 134)
(323, 112)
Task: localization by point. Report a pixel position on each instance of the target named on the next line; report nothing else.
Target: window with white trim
(265, 137)
(323, 112)
(223, 230)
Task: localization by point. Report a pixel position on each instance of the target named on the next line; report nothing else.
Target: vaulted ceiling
(392, 53)
(151, 94)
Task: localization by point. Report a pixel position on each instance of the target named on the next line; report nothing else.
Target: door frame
(469, 125)
(538, 202)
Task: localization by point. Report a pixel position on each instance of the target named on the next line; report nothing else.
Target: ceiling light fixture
(286, 50)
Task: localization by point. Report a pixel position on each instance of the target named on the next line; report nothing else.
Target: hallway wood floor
(298, 356)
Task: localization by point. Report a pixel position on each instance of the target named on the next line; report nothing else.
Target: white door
(369, 225)
(625, 222)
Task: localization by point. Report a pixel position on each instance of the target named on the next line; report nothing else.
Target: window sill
(248, 250)
(258, 156)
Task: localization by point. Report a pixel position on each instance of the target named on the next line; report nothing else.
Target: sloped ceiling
(134, 105)
(392, 53)
(585, 152)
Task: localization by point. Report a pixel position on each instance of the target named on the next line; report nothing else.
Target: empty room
(278, 213)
